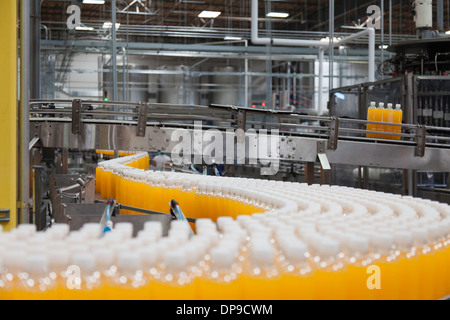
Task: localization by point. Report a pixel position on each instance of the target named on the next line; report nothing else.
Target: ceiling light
(230, 38)
(384, 47)
(447, 32)
(277, 15)
(84, 28)
(209, 14)
(327, 39)
(108, 25)
(94, 1)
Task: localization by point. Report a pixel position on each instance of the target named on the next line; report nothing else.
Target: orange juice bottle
(357, 260)
(129, 282)
(388, 117)
(35, 283)
(438, 250)
(379, 118)
(98, 178)
(221, 282)
(261, 279)
(58, 263)
(384, 258)
(84, 281)
(408, 265)
(398, 118)
(426, 263)
(297, 275)
(175, 283)
(14, 261)
(105, 261)
(330, 271)
(371, 117)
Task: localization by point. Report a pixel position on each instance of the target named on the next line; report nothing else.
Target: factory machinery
(215, 231)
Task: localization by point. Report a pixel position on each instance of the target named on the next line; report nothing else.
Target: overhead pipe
(321, 45)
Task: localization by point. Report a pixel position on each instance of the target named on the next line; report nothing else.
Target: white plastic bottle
(34, 282)
(222, 281)
(175, 283)
(129, 282)
(261, 279)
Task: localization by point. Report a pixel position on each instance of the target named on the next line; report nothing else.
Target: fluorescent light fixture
(384, 47)
(108, 25)
(447, 32)
(339, 95)
(84, 28)
(282, 15)
(231, 38)
(94, 1)
(209, 14)
(327, 39)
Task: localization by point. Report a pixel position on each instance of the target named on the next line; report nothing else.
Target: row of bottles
(248, 258)
(387, 115)
(333, 237)
(131, 185)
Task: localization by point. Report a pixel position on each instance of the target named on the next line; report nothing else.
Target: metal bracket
(325, 167)
(334, 133)
(76, 116)
(4, 215)
(142, 119)
(242, 119)
(420, 139)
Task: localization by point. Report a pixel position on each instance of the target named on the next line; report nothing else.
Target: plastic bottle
(175, 283)
(371, 117)
(58, 263)
(297, 275)
(389, 117)
(379, 118)
(357, 260)
(385, 259)
(83, 278)
(408, 266)
(222, 280)
(13, 266)
(425, 256)
(398, 118)
(261, 279)
(35, 283)
(329, 270)
(129, 282)
(439, 265)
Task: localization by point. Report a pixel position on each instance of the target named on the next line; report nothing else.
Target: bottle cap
(154, 227)
(358, 244)
(382, 241)
(221, 257)
(85, 261)
(126, 228)
(104, 258)
(398, 106)
(36, 264)
(420, 236)
(175, 260)
(14, 260)
(381, 104)
(373, 103)
(149, 256)
(328, 247)
(295, 251)
(128, 262)
(403, 238)
(389, 105)
(262, 254)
